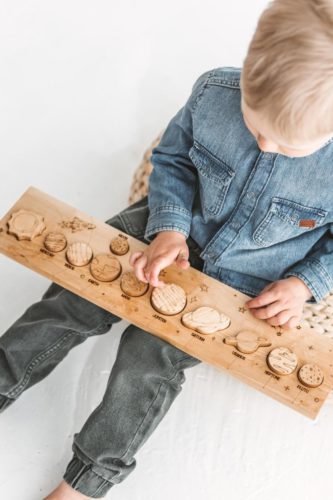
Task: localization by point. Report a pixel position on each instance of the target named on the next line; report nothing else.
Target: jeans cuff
(4, 402)
(81, 478)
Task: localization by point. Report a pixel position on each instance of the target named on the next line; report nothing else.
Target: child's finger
(155, 268)
(133, 257)
(262, 300)
(139, 265)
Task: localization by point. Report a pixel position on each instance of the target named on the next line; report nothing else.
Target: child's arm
(282, 301)
(172, 186)
(173, 180)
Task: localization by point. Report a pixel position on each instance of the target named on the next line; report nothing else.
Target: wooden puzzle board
(200, 290)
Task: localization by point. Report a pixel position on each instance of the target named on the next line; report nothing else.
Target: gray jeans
(146, 376)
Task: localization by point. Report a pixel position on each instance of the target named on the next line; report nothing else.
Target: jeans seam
(163, 382)
(41, 357)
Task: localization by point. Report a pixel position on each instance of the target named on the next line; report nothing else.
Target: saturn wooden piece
(206, 320)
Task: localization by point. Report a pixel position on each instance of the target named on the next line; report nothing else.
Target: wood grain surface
(292, 389)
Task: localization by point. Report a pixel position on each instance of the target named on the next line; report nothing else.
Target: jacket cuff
(168, 218)
(314, 276)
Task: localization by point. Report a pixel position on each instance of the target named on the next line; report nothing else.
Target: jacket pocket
(214, 178)
(287, 219)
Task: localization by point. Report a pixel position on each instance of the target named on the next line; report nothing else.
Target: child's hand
(166, 247)
(284, 300)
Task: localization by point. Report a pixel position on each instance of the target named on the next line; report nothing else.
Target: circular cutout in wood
(79, 253)
(311, 375)
(282, 360)
(168, 299)
(26, 225)
(119, 245)
(55, 242)
(105, 267)
(132, 286)
(206, 320)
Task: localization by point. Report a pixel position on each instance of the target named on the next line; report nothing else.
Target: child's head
(287, 77)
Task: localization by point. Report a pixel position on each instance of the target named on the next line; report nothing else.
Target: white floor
(84, 88)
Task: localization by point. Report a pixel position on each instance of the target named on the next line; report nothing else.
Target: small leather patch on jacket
(307, 223)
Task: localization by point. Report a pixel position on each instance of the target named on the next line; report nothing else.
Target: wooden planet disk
(132, 286)
(26, 225)
(55, 242)
(282, 360)
(168, 299)
(79, 253)
(311, 375)
(119, 245)
(205, 320)
(247, 341)
(105, 267)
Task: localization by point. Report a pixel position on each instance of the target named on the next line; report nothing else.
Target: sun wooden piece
(79, 253)
(247, 341)
(311, 375)
(55, 242)
(26, 225)
(119, 245)
(132, 286)
(282, 360)
(206, 320)
(198, 288)
(105, 267)
(168, 299)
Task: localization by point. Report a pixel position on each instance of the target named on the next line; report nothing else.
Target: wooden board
(200, 289)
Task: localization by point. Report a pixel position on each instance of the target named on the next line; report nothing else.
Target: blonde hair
(287, 74)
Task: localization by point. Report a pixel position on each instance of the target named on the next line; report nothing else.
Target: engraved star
(310, 347)
(193, 299)
(204, 288)
(286, 388)
(242, 309)
(278, 334)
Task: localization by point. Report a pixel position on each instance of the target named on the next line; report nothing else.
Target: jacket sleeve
(173, 180)
(316, 269)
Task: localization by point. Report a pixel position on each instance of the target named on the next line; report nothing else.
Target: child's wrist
(305, 290)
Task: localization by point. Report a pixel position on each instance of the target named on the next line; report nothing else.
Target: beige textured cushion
(317, 316)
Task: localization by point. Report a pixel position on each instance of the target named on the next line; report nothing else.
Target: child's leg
(145, 379)
(32, 346)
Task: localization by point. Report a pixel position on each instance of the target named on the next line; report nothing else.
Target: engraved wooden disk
(247, 341)
(105, 267)
(119, 246)
(132, 286)
(205, 320)
(168, 299)
(311, 375)
(55, 242)
(25, 225)
(282, 360)
(79, 253)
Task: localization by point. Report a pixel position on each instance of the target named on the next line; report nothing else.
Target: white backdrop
(84, 88)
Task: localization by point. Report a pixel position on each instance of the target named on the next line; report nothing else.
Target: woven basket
(319, 316)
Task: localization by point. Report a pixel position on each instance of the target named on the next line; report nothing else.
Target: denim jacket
(257, 217)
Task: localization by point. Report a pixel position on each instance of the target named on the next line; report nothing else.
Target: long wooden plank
(200, 289)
